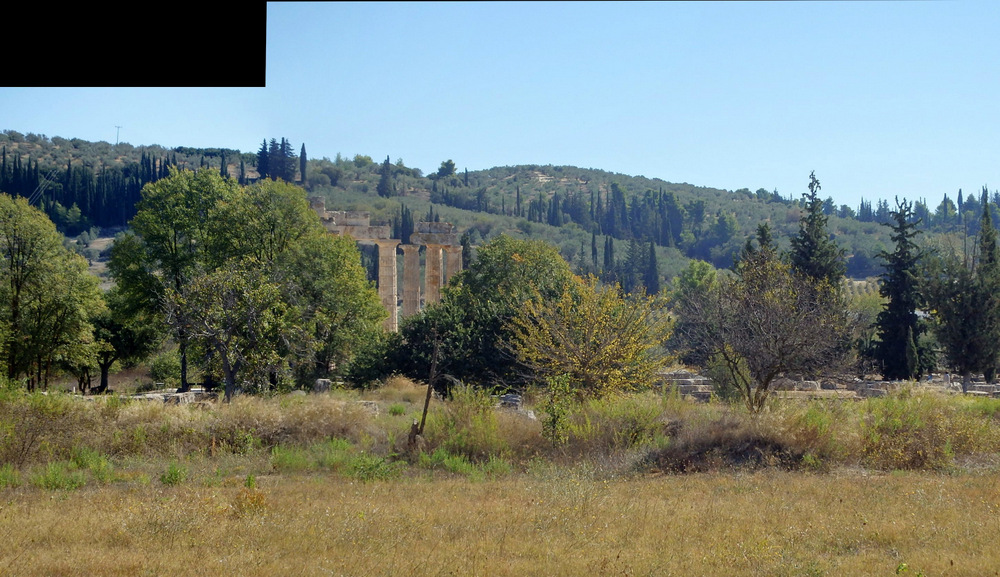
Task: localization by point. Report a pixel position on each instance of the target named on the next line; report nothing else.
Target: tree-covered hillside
(603, 222)
(81, 184)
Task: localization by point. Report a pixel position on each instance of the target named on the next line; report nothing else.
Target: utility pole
(117, 128)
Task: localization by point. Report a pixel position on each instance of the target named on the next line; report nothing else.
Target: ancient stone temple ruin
(443, 255)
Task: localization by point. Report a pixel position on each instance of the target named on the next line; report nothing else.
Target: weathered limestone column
(432, 278)
(411, 279)
(318, 204)
(387, 281)
(454, 262)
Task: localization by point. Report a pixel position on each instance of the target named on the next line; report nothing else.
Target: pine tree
(813, 252)
(898, 325)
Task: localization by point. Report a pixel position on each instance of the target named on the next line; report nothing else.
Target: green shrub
(911, 430)
(440, 459)
(495, 467)
(367, 467)
(59, 475)
(286, 459)
(174, 475)
(467, 425)
(616, 422)
(558, 401)
(9, 476)
(813, 432)
(166, 368)
(98, 465)
(35, 427)
(333, 454)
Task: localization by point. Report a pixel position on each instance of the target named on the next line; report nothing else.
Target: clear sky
(879, 98)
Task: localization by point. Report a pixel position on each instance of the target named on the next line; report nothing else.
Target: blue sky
(881, 99)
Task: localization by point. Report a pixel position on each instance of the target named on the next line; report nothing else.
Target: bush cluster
(62, 442)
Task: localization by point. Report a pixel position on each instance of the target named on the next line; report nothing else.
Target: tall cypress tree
(287, 155)
(652, 277)
(263, 160)
(274, 161)
(593, 247)
(384, 187)
(302, 164)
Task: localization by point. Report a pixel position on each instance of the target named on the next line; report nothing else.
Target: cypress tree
(287, 155)
(652, 276)
(384, 187)
(274, 159)
(263, 160)
(302, 164)
(609, 253)
(593, 248)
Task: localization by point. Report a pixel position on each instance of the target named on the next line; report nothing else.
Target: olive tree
(763, 321)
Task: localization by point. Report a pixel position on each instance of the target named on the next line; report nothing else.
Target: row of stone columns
(436, 236)
(446, 257)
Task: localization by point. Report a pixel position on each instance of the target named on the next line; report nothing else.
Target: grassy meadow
(642, 485)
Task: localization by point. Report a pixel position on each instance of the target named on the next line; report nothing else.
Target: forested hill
(603, 222)
(82, 184)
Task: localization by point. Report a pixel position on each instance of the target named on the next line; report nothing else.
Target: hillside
(87, 184)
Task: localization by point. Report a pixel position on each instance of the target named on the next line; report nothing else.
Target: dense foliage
(249, 276)
(47, 296)
(899, 350)
(600, 339)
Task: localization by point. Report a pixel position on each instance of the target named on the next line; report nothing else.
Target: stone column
(454, 262)
(411, 279)
(432, 278)
(387, 281)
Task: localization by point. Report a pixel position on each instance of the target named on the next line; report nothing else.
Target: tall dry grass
(316, 485)
(556, 521)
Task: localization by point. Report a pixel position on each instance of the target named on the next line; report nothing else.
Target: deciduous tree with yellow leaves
(601, 339)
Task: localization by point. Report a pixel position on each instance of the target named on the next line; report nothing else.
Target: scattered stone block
(322, 386)
(370, 406)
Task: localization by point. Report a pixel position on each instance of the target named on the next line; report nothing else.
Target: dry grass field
(546, 522)
(644, 485)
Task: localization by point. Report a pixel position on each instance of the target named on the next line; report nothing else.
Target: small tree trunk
(966, 381)
(185, 387)
(229, 374)
(105, 369)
